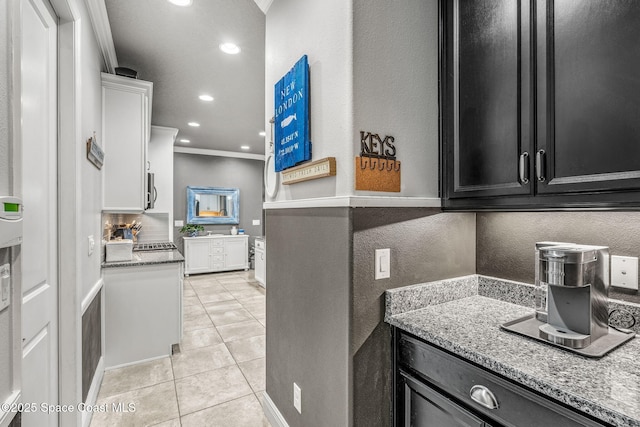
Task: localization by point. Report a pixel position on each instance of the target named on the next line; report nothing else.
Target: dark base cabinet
(436, 389)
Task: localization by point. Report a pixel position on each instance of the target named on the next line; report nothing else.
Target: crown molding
(102, 29)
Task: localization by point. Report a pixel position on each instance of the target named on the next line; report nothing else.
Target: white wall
(322, 30)
(395, 81)
(373, 67)
(90, 201)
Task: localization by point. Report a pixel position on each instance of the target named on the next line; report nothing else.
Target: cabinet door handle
(540, 165)
(483, 396)
(523, 168)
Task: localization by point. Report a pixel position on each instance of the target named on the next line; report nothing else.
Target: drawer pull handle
(483, 396)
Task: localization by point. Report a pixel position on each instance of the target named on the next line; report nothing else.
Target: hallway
(218, 376)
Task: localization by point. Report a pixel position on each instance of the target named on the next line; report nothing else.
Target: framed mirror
(213, 205)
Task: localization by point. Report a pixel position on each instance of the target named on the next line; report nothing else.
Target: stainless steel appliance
(577, 279)
(152, 192)
(572, 286)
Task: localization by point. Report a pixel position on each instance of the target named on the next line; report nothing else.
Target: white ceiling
(176, 48)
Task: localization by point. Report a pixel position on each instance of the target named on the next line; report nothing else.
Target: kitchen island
(143, 306)
(461, 318)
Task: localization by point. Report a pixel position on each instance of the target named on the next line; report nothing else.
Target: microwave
(152, 192)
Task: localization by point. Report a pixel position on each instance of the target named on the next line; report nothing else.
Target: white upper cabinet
(160, 153)
(126, 129)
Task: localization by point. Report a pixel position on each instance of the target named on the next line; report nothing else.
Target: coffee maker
(577, 281)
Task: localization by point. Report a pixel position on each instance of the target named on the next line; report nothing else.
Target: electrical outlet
(297, 398)
(178, 223)
(383, 264)
(624, 272)
(256, 222)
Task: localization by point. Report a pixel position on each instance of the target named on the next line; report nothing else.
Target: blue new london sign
(292, 134)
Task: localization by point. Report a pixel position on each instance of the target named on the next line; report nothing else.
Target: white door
(236, 254)
(38, 116)
(198, 255)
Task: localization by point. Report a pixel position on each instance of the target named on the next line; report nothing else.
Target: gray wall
(425, 245)
(308, 276)
(506, 240)
(212, 171)
(325, 327)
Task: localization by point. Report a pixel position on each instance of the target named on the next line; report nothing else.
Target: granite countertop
(464, 316)
(148, 258)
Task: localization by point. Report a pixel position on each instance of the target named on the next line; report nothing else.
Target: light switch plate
(178, 223)
(297, 398)
(624, 272)
(256, 222)
(383, 263)
(92, 244)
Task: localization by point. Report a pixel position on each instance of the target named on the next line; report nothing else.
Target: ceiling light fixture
(245, 147)
(207, 98)
(181, 2)
(229, 48)
(186, 141)
(194, 124)
(262, 133)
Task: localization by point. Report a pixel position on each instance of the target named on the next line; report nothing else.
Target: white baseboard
(7, 417)
(272, 413)
(92, 396)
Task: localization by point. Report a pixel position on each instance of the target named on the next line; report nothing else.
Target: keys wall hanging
(377, 168)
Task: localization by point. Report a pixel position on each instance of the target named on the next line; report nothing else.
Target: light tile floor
(218, 377)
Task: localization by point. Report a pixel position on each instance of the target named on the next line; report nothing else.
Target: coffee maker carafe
(577, 282)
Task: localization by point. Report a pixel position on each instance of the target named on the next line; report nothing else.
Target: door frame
(69, 278)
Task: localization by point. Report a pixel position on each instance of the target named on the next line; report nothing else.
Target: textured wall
(395, 85)
(506, 240)
(425, 245)
(91, 342)
(308, 276)
(212, 171)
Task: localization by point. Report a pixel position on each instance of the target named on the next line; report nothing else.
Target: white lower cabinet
(143, 312)
(207, 254)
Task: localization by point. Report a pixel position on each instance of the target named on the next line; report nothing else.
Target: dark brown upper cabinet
(540, 104)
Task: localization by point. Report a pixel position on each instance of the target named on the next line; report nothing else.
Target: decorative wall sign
(292, 131)
(318, 169)
(377, 168)
(94, 152)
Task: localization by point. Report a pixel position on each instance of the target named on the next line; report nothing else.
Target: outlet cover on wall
(297, 398)
(178, 223)
(624, 272)
(256, 222)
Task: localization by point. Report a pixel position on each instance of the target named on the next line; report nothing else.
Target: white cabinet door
(261, 264)
(197, 255)
(125, 133)
(236, 253)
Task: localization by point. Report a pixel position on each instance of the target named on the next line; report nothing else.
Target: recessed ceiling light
(194, 124)
(262, 133)
(229, 48)
(245, 147)
(207, 98)
(186, 141)
(181, 2)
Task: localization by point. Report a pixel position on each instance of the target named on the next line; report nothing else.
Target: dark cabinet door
(486, 97)
(588, 95)
(424, 407)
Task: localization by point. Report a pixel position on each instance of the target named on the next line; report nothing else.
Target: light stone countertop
(148, 258)
(454, 315)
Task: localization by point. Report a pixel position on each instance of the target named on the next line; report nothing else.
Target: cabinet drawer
(516, 406)
(218, 250)
(217, 242)
(218, 259)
